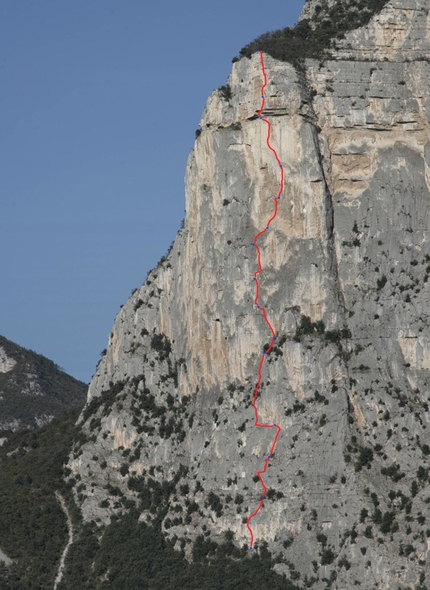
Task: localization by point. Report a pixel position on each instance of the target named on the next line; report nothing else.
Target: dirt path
(59, 575)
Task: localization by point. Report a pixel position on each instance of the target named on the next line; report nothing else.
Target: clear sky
(99, 103)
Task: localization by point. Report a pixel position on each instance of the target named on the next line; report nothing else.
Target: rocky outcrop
(345, 284)
(32, 388)
(7, 363)
(4, 558)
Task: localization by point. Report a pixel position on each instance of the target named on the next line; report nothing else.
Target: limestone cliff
(345, 284)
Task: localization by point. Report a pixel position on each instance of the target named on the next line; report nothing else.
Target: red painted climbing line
(263, 311)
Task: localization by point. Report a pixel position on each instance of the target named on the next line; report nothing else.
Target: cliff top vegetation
(312, 36)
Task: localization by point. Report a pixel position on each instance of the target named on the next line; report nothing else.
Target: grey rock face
(345, 284)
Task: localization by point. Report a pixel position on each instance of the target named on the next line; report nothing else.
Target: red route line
(267, 351)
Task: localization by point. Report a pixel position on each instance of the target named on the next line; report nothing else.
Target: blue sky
(99, 103)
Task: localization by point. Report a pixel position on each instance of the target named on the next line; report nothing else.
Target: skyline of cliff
(93, 111)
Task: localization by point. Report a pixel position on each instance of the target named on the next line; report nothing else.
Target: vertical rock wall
(345, 284)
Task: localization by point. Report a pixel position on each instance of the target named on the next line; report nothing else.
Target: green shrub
(425, 450)
(344, 563)
(422, 473)
(393, 471)
(161, 344)
(138, 304)
(327, 556)
(387, 522)
(364, 514)
(365, 457)
(215, 503)
(381, 282)
(225, 92)
(308, 327)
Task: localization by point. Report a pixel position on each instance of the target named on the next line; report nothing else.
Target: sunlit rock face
(7, 363)
(345, 285)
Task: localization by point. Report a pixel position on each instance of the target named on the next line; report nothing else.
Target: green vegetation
(215, 503)
(225, 92)
(129, 554)
(32, 524)
(106, 399)
(365, 458)
(310, 39)
(32, 374)
(393, 471)
(161, 344)
(327, 556)
(309, 328)
(387, 522)
(133, 555)
(381, 282)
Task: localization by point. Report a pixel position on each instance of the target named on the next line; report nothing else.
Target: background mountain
(161, 474)
(33, 389)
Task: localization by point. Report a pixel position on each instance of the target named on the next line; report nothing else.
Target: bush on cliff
(309, 39)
